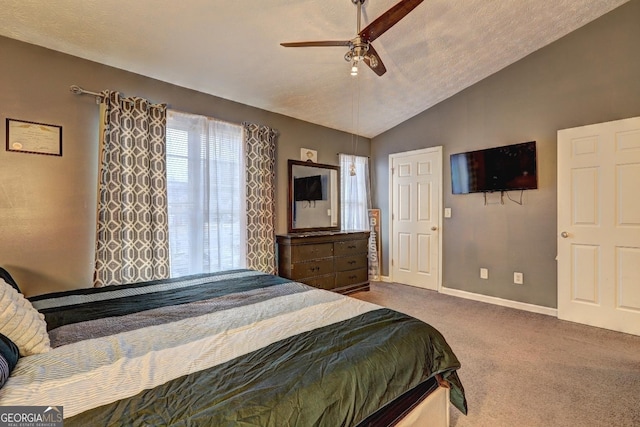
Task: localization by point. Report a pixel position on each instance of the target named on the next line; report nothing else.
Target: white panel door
(599, 225)
(415, 220)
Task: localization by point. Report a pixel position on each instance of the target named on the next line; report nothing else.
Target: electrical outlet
(484, 273)
(518, 278)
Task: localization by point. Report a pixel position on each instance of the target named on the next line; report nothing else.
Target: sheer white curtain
(355, 192)
(206, 193)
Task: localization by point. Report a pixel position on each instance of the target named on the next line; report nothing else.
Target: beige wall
(47, 204)
(590, 76)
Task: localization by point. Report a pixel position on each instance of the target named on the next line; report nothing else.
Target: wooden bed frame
(433, 411)
(425, 405)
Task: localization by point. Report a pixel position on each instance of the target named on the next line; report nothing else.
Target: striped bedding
(231, 348)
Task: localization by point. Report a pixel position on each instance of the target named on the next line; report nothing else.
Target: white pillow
(22, 323)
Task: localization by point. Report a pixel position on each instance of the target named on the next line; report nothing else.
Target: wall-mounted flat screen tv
(308, 188)
(511, 167)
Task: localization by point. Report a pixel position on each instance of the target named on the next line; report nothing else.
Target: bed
(231, 348)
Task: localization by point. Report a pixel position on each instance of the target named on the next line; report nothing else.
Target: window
(206, 194)
(354, 183)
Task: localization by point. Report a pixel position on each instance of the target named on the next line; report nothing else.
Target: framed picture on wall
(307, 155)
(35, 138)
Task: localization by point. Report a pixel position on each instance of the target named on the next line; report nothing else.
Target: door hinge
(392, 263)
(393, 171)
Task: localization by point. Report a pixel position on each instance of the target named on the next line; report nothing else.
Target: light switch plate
(447, 212)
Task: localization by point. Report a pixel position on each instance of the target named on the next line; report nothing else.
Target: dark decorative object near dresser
(332, 260)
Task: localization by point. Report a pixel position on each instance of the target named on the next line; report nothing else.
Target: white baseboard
(491, 300)
(499, 301)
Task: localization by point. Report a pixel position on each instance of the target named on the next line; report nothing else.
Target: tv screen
(308, 188)
(512, 167)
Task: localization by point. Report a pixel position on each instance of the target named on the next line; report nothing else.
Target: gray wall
(590, 76)
(47, 204)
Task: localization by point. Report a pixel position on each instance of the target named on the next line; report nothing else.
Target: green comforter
(235, 348)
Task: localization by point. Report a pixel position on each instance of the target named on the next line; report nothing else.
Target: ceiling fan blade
(317, 44)
(388, 19)
(372, 59)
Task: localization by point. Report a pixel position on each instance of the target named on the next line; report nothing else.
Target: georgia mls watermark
(31, 416)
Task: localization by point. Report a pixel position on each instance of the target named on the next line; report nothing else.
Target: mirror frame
(290, 227)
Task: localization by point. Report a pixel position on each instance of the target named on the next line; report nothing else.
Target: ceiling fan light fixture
(359, 50)
(354, 68)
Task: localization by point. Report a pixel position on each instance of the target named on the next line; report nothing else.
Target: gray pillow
(9, 356)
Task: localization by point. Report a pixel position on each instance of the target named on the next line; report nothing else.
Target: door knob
(564, 234)
(434, 228)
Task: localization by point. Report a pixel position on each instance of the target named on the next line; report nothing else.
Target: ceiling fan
(360, 47)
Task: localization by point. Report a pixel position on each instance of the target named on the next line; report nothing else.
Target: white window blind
(354, 183)
(206, 192)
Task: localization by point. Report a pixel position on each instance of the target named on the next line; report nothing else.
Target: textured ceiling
(231, 48)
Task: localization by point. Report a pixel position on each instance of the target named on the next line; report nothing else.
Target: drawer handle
(316, 268)
(351, 247)
(351, 262)
(353, 277)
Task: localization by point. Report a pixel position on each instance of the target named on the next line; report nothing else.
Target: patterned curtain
(132, 242)
(260, 145)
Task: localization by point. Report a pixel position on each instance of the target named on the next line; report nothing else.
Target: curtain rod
(77, 90)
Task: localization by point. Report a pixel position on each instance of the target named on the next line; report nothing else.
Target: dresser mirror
(314, 197)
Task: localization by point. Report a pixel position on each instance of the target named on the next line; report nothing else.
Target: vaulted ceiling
(231, 49)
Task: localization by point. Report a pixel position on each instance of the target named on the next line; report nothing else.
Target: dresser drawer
(335, 261)
(323, 282)
(345, 278)
(316, 267)
(351, 262)
(351, 247)
(309, 252)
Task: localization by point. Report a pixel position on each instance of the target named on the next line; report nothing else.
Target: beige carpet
(524, 369)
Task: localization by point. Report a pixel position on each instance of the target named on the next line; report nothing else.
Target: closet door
(599, 225)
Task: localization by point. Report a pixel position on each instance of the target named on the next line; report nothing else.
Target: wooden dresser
(333, 260)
